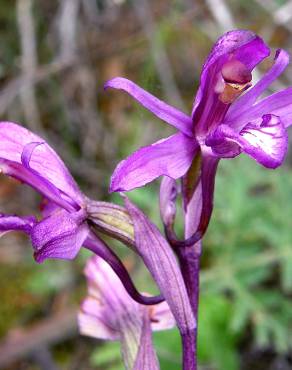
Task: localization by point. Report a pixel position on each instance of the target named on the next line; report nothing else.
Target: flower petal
(91, 321)
(169, 157)
(15, 223)
(146, 358)
(161, 317)
(243, 104)
(278, 104)
(266, 142)
(108, 302)
(60, 235)
(244, 47)
(110, 313)
(43, 159)
(161, 262)
(162, 110)
(32, 178)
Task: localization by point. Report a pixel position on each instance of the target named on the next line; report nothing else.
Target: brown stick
(47, 332)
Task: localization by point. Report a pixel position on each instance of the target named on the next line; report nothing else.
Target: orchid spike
(67, 214)
(109, 313)
(227, 119)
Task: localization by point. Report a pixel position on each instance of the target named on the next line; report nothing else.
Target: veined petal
(162, 110)
(245, 45)
(42, 158)
(60, 235)
(244, 103)
(240, 46)
(15, 223)
(146, 357)
(32, 178)
(278, 104)
(107, 303)
(110, 313)
(266, 142)
(161, 317)
(92, 323)
(161, 262)
(169, 157)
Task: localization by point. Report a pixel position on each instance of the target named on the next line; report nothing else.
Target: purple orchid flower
(67, 214)
(223, 122)
(109, 313)
(28, 158)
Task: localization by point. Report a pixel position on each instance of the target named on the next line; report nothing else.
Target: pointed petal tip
(115, 83)
(160, 109)
(115, 184)
(170, 157)
(282, 54)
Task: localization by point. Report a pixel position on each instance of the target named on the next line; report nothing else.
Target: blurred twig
(48, 332)
(21, 84)
(221, 14)
(159, 54)
(91, 10)
(280, 15)
(67, 24)
(43, 357)
(28, 61)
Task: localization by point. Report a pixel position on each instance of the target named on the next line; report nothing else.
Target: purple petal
(244, 45)
(42, 158)
(107, 303)
(167, 199)
(169, 157)
(243, 104)
(240, 45)
(91, 321)
(161, 262)
(278, 104)
(109, 313)
(32, 178)
(146, 357)
(266, 142)
(161, 317)
(162, 110)
(28, 152)
(47, 207)
(60, 235)
(15, 223)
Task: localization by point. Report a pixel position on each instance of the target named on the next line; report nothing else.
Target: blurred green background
(54, 59)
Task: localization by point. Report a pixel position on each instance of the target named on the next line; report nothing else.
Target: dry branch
(28, 61)
(50, 331)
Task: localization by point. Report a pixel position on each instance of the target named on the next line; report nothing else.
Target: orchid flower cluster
(227, 118)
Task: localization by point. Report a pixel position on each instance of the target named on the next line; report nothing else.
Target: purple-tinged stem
(189, 351)
(189, 258)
